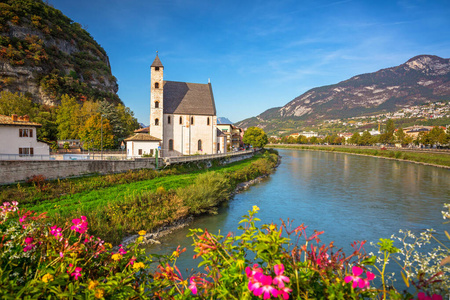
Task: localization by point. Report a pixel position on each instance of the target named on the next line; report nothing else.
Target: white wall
(185, 136)
(11, 142)
(146, 146)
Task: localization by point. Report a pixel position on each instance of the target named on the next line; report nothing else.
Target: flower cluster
(265, 285)
(29, 244)
(357, 280)
(74, 272)
(56, 232)
(80, 225)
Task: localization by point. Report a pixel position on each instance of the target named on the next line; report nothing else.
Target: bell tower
(156, 99)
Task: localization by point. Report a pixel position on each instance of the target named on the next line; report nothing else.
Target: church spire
(157, 62)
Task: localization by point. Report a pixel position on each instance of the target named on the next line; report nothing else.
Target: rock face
(422, 78)
(44, 55)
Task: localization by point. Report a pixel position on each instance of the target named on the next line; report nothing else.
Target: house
(182, 115)
(141, 144)
(234, 135)
(19, 137)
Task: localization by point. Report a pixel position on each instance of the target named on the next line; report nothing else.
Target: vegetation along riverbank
(434, 159)
(119, 205)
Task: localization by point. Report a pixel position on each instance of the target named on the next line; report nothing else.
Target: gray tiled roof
(188, 98)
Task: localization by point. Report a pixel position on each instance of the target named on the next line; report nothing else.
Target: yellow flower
(240, 264)
(255, 208)
(108, 245)
(99, 293)
(140, 239)
(176, 254)
(138, 265)
(142, 232)
(92, 284)
(272, 227)
(116, 256)
(47, 277)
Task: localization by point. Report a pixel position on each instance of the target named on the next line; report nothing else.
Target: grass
(440, 159)
(122, 204)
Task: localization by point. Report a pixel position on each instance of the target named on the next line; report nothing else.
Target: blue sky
(258, 54)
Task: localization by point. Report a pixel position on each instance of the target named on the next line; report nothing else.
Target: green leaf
(405, 279)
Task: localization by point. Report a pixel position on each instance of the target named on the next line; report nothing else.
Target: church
(182, 115)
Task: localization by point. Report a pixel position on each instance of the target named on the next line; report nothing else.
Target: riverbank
(120, 205)
(441, 160)
(153, 236)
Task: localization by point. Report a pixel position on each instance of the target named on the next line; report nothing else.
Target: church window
(170, 145)
(207, 121)
(156, 85)
(156, 122)
(168, 119)
(199, 144)
(156, 68)
(181, 120)
(192, 120)
(156, 104)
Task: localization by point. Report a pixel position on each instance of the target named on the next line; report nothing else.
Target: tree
(91, 134)
(400, 136)
(15, 104)
(388, 136)
(354, 140)
(67, 118)
(256, 137)
(366, 139)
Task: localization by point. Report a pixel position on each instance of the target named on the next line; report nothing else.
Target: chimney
(14, 118)
(26, 118)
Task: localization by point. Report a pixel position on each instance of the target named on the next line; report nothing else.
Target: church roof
(157, 62)
(142, 137)
(188, 98)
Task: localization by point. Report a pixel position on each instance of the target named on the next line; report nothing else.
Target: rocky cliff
(45, 54)
(422, 78)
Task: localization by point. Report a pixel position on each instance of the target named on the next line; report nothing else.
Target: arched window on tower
(168, 119)
(156, 85)
(156, 104)
(192, 120)
(156, 122)
(156, 68)
(170, 145)
(207, 121)
(181, 120)
(199, 145)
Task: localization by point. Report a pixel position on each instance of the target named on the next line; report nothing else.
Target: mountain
(223, 120)
(44, 54)
(422, 78)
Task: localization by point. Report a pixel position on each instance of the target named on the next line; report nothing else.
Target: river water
(350, 197)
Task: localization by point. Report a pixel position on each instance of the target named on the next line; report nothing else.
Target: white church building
(182, 116)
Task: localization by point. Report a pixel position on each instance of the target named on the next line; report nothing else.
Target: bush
(208, 190)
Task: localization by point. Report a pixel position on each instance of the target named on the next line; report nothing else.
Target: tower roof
(157, 62)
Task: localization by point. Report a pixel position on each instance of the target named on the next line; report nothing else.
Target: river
(350, 197)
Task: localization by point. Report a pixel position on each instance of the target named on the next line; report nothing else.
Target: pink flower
(193, 286)
(30, 245)
(266, 288)
(279, 279)
(56, 231)
(122, 251)
(80, 225)
(22, 218)
(358, 281)
(76, 273)
(423, 296)
(284, 292)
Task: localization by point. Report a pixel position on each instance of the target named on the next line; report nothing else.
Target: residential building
(19, 137)
(141, 144)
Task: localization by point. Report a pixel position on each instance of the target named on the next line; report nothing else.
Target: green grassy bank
(118, 205)
(438, 159)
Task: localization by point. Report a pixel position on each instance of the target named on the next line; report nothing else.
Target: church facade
(182, 115)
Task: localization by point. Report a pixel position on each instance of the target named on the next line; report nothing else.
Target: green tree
(388, 136)
(67, 118)
(47, 118)
(354, 140)
(256, 137)
(366, 139)
(16, 104)
(91, 134)
(400, 136)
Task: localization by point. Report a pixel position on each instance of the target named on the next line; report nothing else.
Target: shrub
(208, 190)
